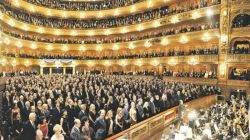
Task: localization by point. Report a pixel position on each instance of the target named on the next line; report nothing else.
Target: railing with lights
(13, 43)
(121, 38)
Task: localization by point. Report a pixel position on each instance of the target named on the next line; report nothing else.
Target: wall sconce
(155, 63)
(123, 63)
(90, 63)
(73, 33)
(147, 44)
(49, 48)
(65, 48)
(222, 69)
(224, 38)
(183, 40)
(33, 46)
(195, 15)
(3, 61)
(131, 46)
(172, 62)
(139, 63)
(99, 48)
(27, 63)
(19, 44)
(107, 63)
(206, 37)
(193, 61)
(40, 30)
(13, 63)
(115, 47)
(25, 27)
(7, 41)
(175, 19)
(82, 48)
(164, 42)
(107, 32)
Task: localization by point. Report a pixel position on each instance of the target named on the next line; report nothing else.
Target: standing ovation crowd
(88, 106)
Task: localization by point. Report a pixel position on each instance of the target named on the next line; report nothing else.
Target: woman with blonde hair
(133, 114)
(58, 133)
(92, 115)
(109, 123)
(118, 121)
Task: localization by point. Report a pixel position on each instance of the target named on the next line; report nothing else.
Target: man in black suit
(82, 113)
(25, 112)
(29, 129)
(56, 114)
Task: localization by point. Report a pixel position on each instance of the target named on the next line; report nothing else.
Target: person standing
(75, 133)
(29, 130)
(100, 126)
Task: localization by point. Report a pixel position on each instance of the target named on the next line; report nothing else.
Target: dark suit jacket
(29, 132)
(100, 129)
(56, 115)
(75, 134)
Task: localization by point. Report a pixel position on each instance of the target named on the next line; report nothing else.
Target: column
(64, 70)
(224, 45)
(50, 70)
(41, 70)
(74, 70)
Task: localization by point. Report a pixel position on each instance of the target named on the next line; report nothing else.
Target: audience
(83, 5)
(193, 74)
(146, 54)
(54, 22)
(118, 38)
(126, 100)
(240, 74)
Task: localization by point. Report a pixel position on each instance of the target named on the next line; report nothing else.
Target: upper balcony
(44, 25)
(83, 5)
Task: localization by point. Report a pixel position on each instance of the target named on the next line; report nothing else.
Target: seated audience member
(58, 133)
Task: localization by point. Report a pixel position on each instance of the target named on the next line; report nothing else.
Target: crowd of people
(69, 23)
(239, 74)
(210, 51)
(241, 47)
(83, 5)
(17, 73)
(192, 74)
(222, 121)
(87, 106)
(117, 38)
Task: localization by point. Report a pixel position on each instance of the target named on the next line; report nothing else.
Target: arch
(241, 20)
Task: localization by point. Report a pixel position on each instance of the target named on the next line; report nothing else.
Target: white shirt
(61, 137)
